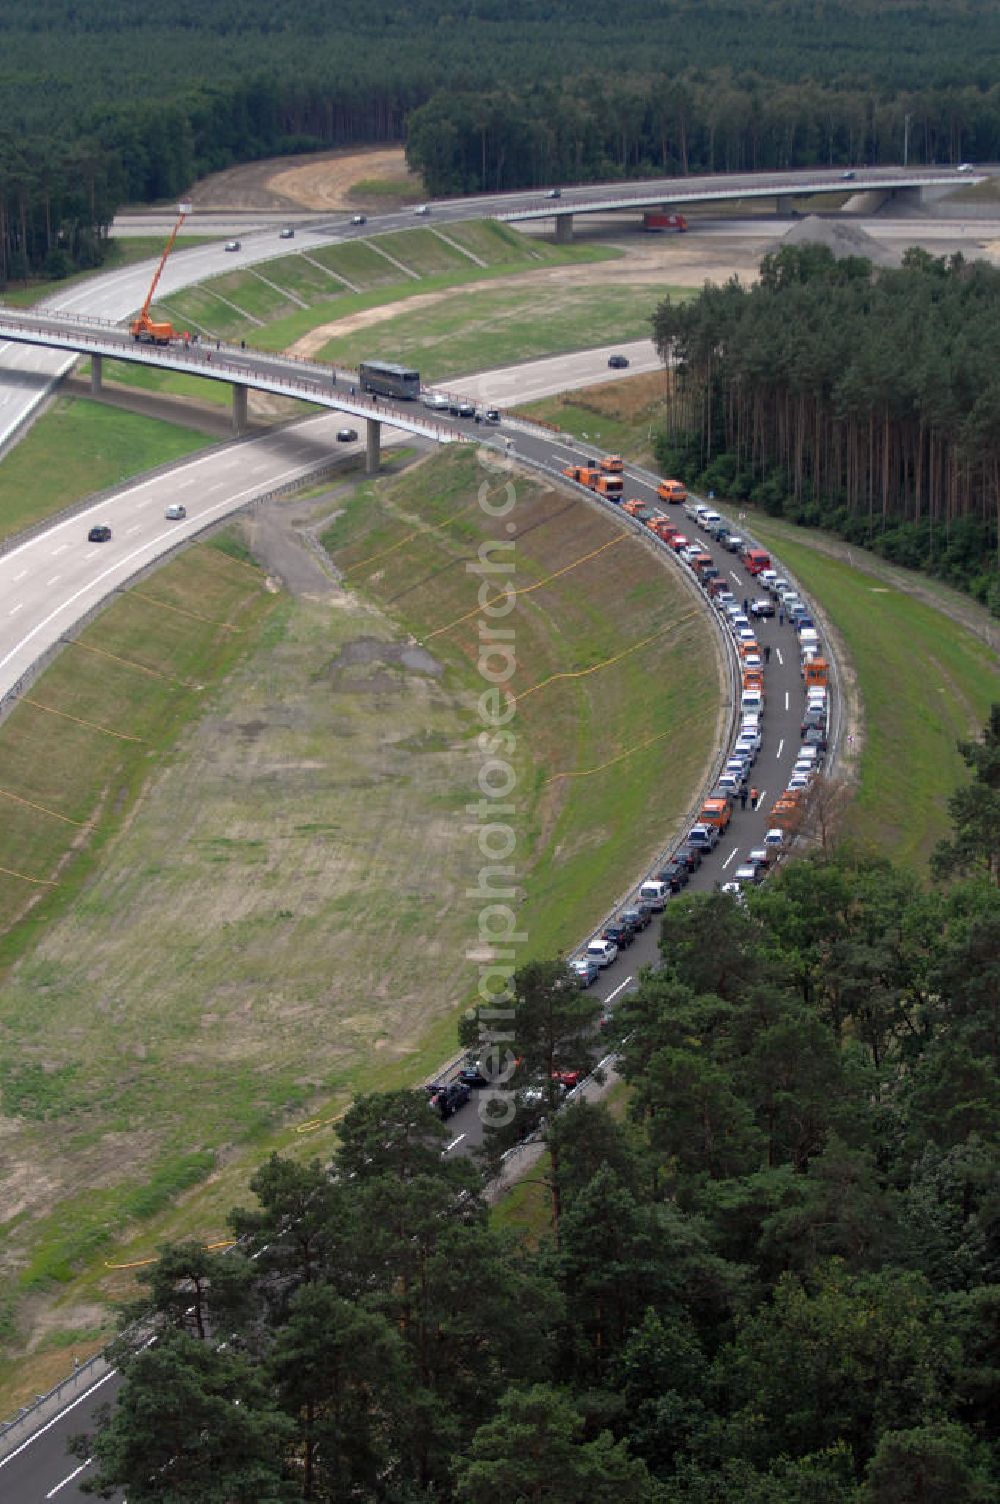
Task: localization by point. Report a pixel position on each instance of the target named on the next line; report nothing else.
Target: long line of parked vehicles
(776, 597)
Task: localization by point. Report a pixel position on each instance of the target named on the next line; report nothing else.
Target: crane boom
(142, 326)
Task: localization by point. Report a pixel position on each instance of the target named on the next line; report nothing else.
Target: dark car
(637, 918)
(675, 874)
(462, 409)
(618, 362)
(621, 934)
(492, 415)
(99, 534)
(346, 435)
(446, 1100)
(690, 856)
(287, 233)
(848, 177)
(801, 622)
(763, 607)
(815, 737)
(359, 219)
(813, 720)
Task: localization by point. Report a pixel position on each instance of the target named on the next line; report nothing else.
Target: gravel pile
(842, 238)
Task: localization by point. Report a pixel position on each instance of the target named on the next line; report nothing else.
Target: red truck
(756, 559)
(659, 219)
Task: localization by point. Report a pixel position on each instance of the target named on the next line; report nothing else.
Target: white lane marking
(15, 609)
(69, 1478)
(760, 798)
(133, 529)
(20, 576)
(733, 575)
(786, 699)
(777, 654)
(112, 1373)
(454, 1144)
(780, 745)
(53, 580)
(730, 857)
(232, 502)
(620, 988)
(60, 550)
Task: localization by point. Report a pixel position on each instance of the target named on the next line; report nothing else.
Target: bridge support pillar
(785, 205)
(239, 409)
(96, 372)
(373, 436)
(564, 229)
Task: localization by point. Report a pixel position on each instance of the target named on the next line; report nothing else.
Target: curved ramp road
(57, 573)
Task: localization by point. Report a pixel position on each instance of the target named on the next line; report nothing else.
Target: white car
(175, 512)
(775, 839)
(437, 401)
(748, 874)
(965, 167)
(232, 245)
(603, 952)
(422, 209)
(799, 781)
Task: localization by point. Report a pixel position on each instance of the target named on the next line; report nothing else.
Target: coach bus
(387, 380)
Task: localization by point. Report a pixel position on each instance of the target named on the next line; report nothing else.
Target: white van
(752, 699)
(655, 894)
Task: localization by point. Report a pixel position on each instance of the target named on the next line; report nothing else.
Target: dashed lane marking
(620, 988)
(730, 857)
(780, 745)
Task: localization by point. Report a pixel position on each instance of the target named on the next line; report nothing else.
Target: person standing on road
(767, 652)
(781, 618)
(754, 798)
(746, 606)
(743, 797)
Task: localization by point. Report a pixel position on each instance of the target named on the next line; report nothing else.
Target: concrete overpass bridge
(673, 194)
(242, 369)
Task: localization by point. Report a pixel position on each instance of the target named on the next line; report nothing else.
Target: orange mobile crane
(148, 331)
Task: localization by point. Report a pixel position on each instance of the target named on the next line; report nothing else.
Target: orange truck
(717, 812)
(636, 508)
(613, 464)
(671, 490)
(610, 486)
(816, 672)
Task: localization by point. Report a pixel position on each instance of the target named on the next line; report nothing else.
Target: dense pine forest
(864, 401)
(104, 104)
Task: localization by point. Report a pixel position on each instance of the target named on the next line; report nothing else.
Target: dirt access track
(316, 180)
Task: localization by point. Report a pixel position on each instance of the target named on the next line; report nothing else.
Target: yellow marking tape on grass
(527, 589)
(588, 772)
(154, 673)
(581, 673)
(92, 725)
(432, 527)
(144, 1263)
(181, 610)
(39, 882)
(5, 794)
